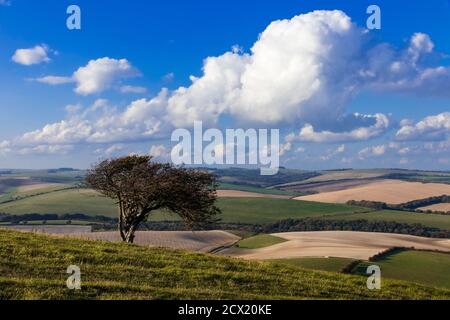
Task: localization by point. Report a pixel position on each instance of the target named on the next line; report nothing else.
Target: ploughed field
(340, 244)
(199, 241)
(440, 207)
(388, 191)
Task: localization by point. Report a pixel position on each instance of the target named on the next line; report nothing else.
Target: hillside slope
(34, 267)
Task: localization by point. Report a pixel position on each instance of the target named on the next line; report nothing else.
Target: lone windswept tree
(140, 186)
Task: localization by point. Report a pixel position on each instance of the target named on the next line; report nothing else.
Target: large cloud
(304, 71)
(298, 69)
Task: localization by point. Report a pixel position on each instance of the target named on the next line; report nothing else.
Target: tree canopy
(141, 186)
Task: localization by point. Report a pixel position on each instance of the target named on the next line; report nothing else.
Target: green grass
(252, 210)
(324, 264)
(429, 220)
(34, 267)
(261, 211)
(428, 268)
(61, 202)
(259, 241)
(235, 210)
(16, 194)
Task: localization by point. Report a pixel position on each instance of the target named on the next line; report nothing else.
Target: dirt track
(389, 191)
(200, 241)
(341, 244)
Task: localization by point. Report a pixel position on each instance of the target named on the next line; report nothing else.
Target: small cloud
(97, 76)
(73, 108)
(169, 77)
(46, 149)
(309, 134)
(132, 89)
(54, 80)
(375, 151)
(329, 155)
(31, 56)
(114, 149)
(159, 151)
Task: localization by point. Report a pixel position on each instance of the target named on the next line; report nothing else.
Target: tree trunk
(121, 223)
(129, 236)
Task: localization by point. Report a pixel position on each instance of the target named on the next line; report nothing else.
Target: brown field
(440, 207)
(37, 186)
(329, 186)
(49, 229)
(339, 244)
(199, 241)
(389, 191)
(246, 194)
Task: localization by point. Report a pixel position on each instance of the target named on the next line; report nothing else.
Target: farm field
(50, 229)
(66, 201)
(440, 207)
(388, 191)
(199, 241)
(323, 264)
(254, 189)
(361, 174)
(247, 194)
(337, 244)
(34, 267)
(428, 268)
(430, 220)
(238, 210)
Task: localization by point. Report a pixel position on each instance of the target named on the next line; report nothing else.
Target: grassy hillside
(324, 264)
(428, 268)
(34, 267)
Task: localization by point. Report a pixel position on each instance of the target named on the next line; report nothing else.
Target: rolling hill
(34, 267)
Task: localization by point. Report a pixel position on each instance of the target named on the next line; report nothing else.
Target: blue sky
(162, 43)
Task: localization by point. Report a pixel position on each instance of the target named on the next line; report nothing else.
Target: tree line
(407, 206)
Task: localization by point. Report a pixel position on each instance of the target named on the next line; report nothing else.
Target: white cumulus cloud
(97, 76)
(35, 55)
(435, 127)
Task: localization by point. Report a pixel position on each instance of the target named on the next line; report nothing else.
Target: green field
(429, 220)
(60, 202)
(259, 241)
(236, 210)
(17, 194)
(324, 264)
(252, 210)
(34, 267)
(428, 268)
